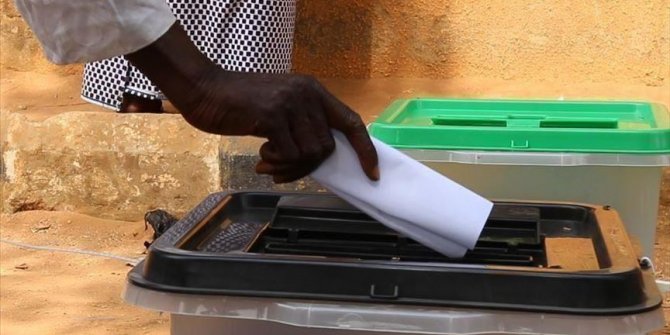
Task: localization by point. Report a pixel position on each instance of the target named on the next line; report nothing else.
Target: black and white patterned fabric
(239, 35)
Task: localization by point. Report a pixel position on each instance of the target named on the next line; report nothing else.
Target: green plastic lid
(525, 125)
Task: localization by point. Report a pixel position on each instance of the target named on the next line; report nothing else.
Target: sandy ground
(44, 292)
(662, 247)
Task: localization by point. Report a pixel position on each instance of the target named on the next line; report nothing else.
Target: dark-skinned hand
(295, 113)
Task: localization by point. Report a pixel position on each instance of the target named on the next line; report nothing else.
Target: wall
(19, 49)
(625, 41)
(567, 40)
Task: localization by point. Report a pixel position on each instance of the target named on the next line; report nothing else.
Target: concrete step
(119, 166)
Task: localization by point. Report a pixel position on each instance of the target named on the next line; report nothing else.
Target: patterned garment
(239, 35)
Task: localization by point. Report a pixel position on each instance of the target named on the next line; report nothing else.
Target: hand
(295, 113)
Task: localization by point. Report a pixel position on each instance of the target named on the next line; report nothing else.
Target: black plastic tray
(315, 246)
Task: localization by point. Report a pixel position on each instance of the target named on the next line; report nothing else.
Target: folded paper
(409, 198)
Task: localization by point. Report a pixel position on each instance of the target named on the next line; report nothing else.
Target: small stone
(41, 227)
(21, 107)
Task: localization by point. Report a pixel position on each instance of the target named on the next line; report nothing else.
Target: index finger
(342, 118)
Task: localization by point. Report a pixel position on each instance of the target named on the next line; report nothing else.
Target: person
(246, 36)
(293, 112)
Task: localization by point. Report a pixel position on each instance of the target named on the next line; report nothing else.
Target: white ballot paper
(409, 198)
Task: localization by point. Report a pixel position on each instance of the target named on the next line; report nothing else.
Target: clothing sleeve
(77, 31)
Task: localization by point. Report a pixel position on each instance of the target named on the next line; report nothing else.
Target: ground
(44, 292)
(662, 248)
(57, 293)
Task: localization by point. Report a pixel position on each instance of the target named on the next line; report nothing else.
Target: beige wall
(566, 40)
(625, 41)
(19, 49)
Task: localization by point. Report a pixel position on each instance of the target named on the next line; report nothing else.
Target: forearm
(175, 65)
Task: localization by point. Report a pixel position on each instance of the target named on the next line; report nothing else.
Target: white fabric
(409, 198)
(77, 31)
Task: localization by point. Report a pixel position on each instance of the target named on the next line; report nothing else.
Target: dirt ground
(662, 247)
(44, 292)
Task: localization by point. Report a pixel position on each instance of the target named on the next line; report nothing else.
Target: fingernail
(375, 173)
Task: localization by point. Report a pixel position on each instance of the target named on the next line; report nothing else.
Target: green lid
(525, 125)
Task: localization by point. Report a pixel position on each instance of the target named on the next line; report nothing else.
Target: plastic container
(285, 263)
(581, 151)
(223, 315)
